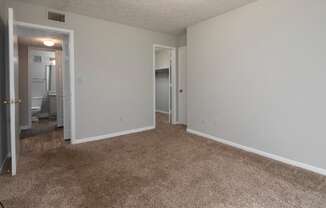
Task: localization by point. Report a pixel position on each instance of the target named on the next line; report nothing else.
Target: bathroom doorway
(15, 96)
(44, 110)
(44, 83)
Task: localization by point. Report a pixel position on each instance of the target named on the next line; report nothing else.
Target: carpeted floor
(162, 168)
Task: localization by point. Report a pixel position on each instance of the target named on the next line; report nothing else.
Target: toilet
(36, 109)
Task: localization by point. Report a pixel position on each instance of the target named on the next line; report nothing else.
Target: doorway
(43, 73)
(36, 103)
(40, 85)
(44, 81)
(164, 67)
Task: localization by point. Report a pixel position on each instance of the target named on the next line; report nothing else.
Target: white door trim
(70, 34)
(12, 93)
(173, 73)
(174, 84)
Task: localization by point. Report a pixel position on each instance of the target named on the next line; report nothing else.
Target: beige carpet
(162, 168)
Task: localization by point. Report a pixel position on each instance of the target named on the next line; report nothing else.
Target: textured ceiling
(168, 16)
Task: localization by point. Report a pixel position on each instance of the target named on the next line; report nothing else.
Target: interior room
(164, 103)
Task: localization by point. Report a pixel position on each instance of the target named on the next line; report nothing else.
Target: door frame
(172, 73)
(70, 34)
(12, 92)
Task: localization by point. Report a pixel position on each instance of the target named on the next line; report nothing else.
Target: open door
(66, 90)
(59, 86)
(182, 85)
(13, 100)
(172, 81)
(170, 88)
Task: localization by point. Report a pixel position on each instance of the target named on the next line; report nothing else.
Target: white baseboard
(164, 112)
(25, 127)
(262, 153)
(108, 136)
(4, 162)
(180, 123)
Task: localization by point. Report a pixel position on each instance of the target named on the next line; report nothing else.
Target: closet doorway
(164, 59)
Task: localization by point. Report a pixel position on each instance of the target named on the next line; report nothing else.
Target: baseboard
(164, 112)
(262, 153)
(180, 123)
(108, 136)
(25, 127)
(4, 162)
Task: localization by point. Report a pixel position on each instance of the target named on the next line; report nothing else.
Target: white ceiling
(168, 16)
(38, 42)
(158, 49)
(36, 37)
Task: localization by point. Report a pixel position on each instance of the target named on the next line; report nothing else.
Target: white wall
(182, 39)
(162, 90)
(162, 58)
(113, 70)
(256, 77)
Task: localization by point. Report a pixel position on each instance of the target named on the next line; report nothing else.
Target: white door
(59, 86)
(66, 91)
(170, 89)
(13, 100)
(182, 75)
(172, 76)
(172, 96)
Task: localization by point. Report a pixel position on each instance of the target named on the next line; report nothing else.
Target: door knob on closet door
(181, 90)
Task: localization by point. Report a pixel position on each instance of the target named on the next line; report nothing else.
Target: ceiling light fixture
(48, 43)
